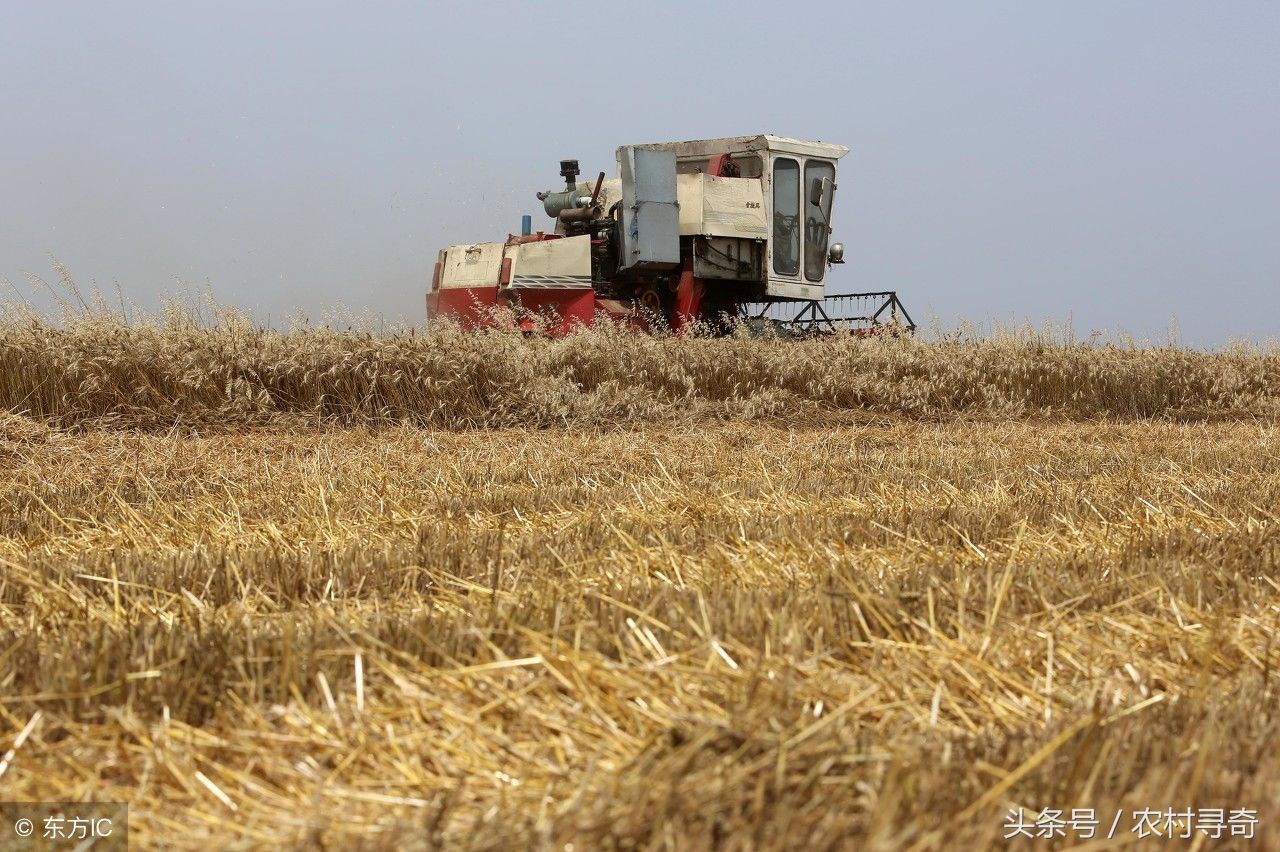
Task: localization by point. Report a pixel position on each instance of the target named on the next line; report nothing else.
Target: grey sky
(1117, 163)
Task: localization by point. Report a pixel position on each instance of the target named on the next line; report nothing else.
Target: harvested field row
(867, 631)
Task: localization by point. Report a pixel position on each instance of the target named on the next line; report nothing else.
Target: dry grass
(747, 594)
(93, 367)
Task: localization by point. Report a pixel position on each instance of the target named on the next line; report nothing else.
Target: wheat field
(326, 589)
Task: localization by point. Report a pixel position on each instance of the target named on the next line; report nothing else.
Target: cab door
(789, 221)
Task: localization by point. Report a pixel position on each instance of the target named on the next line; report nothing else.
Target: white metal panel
(558, 264)
(650, 213)
(787, 289)
(721, 206)
(476, 265)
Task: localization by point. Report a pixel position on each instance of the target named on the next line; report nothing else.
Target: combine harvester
(706, 232)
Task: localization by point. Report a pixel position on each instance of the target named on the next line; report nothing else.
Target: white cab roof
(697, 148)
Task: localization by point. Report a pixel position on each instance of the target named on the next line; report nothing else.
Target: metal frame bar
(824, 316)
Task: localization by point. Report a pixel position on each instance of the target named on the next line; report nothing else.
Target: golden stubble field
(782, 620)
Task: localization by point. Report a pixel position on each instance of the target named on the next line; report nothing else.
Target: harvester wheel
(651, 301)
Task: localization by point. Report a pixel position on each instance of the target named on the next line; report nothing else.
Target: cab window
(816, 219)
(786, 216)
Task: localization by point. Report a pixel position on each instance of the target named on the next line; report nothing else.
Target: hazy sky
(1117, 163)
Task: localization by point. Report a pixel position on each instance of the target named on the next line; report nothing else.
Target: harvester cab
(702, 233)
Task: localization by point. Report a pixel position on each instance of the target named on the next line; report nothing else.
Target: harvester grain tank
(698, 232)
